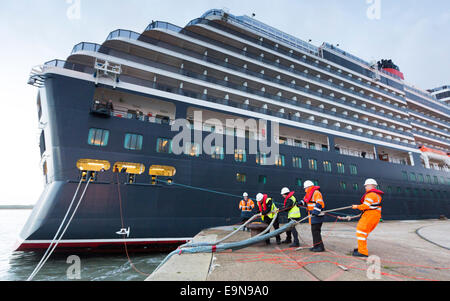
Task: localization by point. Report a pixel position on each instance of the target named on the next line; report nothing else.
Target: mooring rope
(55, 241)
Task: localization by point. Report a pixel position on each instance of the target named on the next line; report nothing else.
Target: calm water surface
(17, 266)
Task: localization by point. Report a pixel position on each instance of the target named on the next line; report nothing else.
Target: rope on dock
(212, 248)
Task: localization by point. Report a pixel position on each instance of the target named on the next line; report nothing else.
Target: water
(17, 266)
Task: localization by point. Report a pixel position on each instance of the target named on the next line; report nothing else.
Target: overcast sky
(414, 33)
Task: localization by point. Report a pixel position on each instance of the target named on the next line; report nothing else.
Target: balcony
(439, 121)
(167, 26)
(127, 34)
(196, 95)
(288, 53)
(257, 92)
(442, 140)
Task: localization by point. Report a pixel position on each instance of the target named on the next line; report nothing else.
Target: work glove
(355, 207)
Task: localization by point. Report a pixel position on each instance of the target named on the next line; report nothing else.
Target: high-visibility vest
(372, 199)
(295, 211)
(272, 210)
(246, 206)
(312, 197)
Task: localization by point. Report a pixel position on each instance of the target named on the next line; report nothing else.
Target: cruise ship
(106, 115)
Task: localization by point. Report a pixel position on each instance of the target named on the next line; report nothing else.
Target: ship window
(436, 180)
(425, 192)
(355, 187)
(98, 137)
(442, 180)
(297, 162)
(341, 168)
(343, 185)
(312, 164)
(262, 179)
(133, 142)
(389, 189)
(218, 153)
(241, 178)
(312, 145)
(353, 170)
(408, 191)
(299, 183)
(240, 155)
(280, 160)
(405, 175)
(261, 159)
(162, 171)
(316, 182)
(420, 178)
(428, 179)
(327, 166)
(164, 146)
(416, 192)
(130, 168)
(399, 190)
(192, 149)
(412, 177)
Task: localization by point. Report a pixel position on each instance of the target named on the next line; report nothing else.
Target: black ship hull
(205, 192)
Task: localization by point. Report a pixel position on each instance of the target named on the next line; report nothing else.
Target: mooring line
(52, 247)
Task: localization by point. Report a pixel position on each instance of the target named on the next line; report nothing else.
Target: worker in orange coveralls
(371, 208)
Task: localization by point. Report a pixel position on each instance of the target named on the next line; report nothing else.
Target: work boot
(357, 254)
(317, 249)
(287, 241)
(294, 245)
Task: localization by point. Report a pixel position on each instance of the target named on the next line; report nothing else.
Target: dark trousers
(244, 219)
(292, 233)
(317, 236)
(276, 225)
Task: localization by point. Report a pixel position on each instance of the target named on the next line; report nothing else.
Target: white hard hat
(259, 197)
(285, 190)
(371, 182)
(308, 184)
(245, 194)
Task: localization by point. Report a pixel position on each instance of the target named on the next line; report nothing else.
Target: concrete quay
(407, 251)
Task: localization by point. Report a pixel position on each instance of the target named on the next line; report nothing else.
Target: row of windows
(262, 179)
(99, 137)
(420, 178)
(163, 146)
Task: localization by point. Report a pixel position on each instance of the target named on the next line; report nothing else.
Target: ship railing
(96, 47)
(432, 118)
(423, 93)
(168, 26)
(260, 27)
(252, 108)
(430, 127)
(305, 60)
(193, 94)
(435, 104)
(126, 113)
(164, 25)
(301, 58)
(443, 140)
